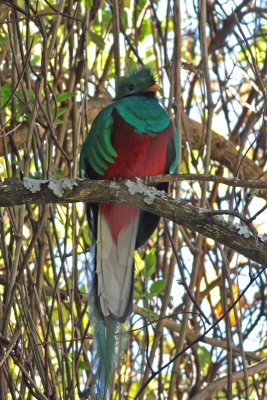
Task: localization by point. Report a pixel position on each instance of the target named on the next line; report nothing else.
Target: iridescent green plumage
(133, 136)
(136, 82)
(97, 148)
(143, 113)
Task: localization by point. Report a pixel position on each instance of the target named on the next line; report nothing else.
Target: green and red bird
(132, 137)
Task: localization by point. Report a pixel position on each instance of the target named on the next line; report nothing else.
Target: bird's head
(140, 81)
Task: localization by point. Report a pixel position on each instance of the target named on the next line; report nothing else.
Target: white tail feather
(114, 267)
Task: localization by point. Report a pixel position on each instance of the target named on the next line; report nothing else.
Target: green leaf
(204, 356)
(82, 365)
(98, 40)
(86, 236)
(146, 29)
(158, 286)
(135, 386)
(150, 264)
(263, 352)
(5, 93)
(138, 290)
(61, 111)
(139, 263)
(36, 59)
(64, 96)
(184, 168)
(19, 164)
(149, 314)
(57, 172)
(21, 97)
(3, 41)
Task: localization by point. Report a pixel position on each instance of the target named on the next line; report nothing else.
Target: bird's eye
(131, 86)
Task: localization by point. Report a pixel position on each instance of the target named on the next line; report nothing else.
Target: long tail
(106, 340)
(114, 261)
(111, 292)
(108, 346)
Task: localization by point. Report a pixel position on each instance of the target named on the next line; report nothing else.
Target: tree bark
(13, 192)
(222, 151)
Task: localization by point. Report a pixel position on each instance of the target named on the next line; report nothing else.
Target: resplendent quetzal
(132, 137)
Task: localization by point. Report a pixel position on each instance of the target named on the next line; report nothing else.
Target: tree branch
(219, 383)
(191, 335)
(222, 150)
(13, 192)
(235, 182)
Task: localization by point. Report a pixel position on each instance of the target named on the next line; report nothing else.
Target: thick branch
(222, 150)
(13, 192)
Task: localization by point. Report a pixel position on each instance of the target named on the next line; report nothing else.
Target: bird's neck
(148, 95)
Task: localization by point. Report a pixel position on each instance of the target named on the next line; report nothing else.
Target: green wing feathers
(97, 148)
(177, 150)
(146, 115)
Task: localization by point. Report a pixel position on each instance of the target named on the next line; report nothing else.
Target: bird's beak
(153, 88)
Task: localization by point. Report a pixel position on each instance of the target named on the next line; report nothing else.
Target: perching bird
(132, 137)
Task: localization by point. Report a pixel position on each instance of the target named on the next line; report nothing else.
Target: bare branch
(222, 150)
(13, 192)
(222, 382)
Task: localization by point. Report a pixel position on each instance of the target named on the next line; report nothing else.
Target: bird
(132, 137)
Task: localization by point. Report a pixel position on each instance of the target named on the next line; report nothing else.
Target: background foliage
(57, 71)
